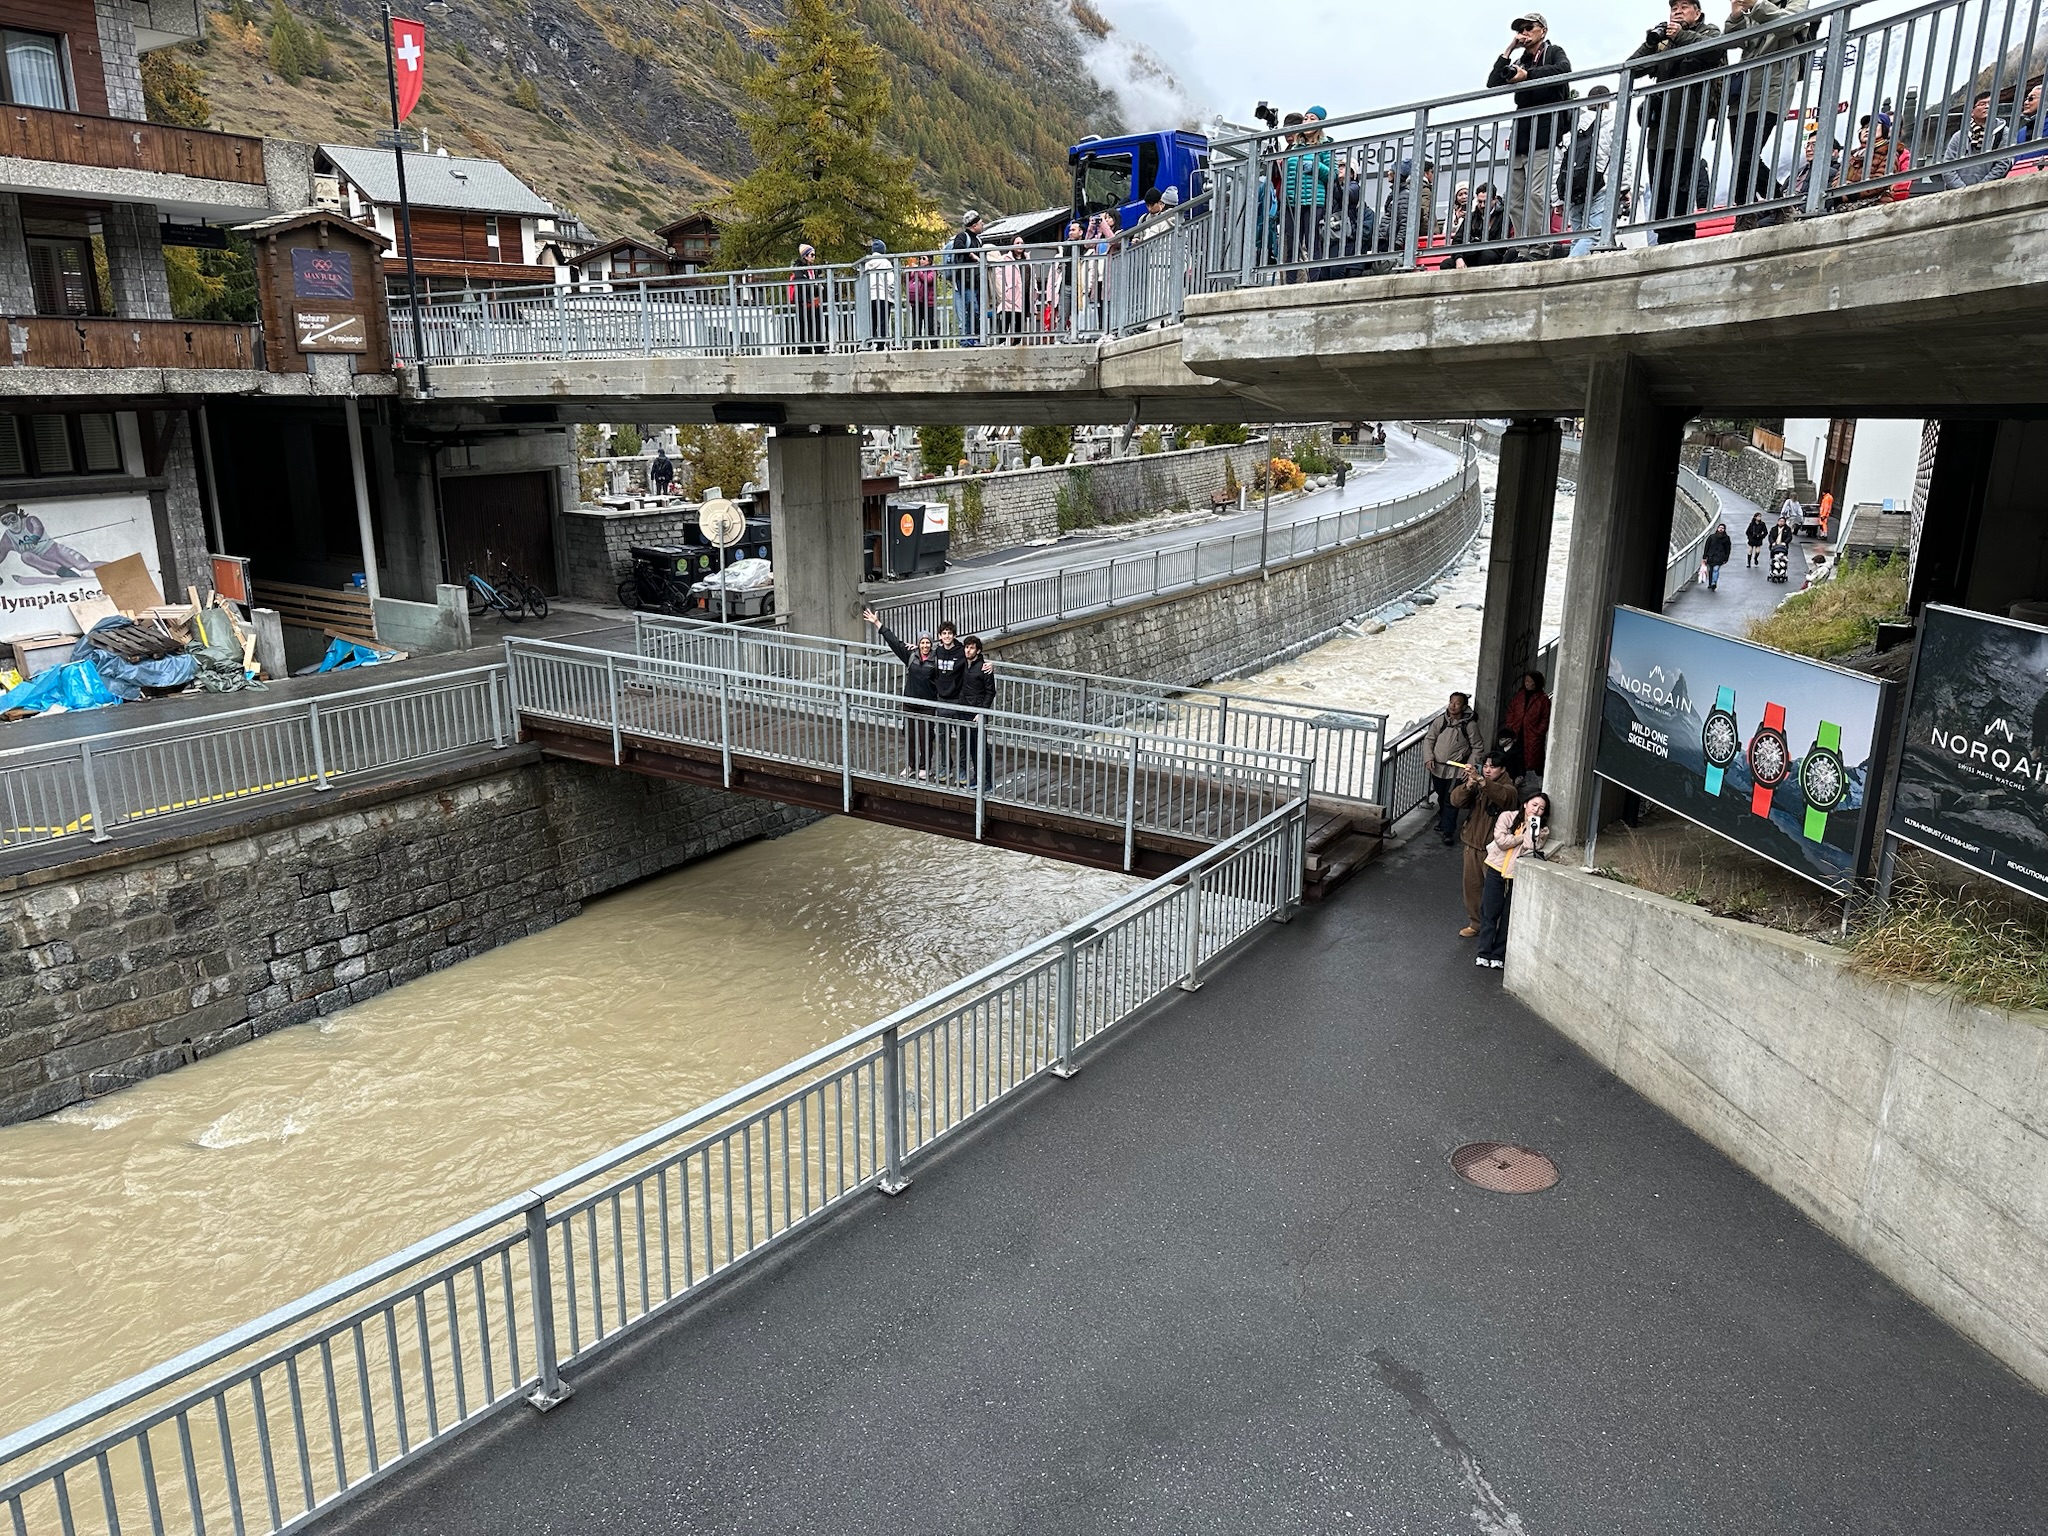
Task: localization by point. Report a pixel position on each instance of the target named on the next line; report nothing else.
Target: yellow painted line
(84, 823)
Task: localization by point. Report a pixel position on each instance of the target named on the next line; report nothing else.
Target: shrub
(1982, 948)
(1231, 484)
(1074, 503)
(1279, 475)
(626, 441)
(1051, 444)
(973, 508)
(1836, 617)
(1149, 441)
(940, 448)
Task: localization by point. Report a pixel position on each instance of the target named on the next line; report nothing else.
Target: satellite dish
(721, 523)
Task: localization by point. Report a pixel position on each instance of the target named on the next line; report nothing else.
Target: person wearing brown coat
(1482, 795)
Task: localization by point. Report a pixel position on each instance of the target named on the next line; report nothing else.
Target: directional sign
(331, 330)
(721, 523)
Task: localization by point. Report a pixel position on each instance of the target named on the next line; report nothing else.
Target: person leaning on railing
(1973, 138)
(1675, 120)
(920, 695)
(1306, 176)
(1773, 42)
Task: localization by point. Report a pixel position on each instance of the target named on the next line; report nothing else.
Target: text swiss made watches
(1720, 738)
(1823, 779)
(1770, 759)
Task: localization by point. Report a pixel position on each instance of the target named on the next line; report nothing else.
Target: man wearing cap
(963, 266)
(1531, 62)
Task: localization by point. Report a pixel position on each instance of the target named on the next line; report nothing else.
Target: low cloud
(1145, 89)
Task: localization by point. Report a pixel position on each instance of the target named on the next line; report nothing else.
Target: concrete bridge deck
(1223, 1280)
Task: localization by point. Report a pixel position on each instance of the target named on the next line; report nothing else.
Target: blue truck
(1111, 176)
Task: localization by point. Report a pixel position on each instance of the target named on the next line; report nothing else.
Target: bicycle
(511, 595)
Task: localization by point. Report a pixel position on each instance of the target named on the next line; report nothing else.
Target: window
(1104, 182)
(491, 231)
(61, 273)
(35, 70)
(36, 447)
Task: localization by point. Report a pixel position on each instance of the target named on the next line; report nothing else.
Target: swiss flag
(408, 56)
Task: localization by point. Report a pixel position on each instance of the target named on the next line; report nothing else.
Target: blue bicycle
(511, 594)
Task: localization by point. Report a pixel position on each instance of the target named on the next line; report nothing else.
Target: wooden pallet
(342, 612)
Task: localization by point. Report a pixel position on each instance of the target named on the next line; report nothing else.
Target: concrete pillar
(135, 262)
(815, 480)
(17, 291)
(1621, 535)
(121, 62)
(359, 477)
(1524, 505)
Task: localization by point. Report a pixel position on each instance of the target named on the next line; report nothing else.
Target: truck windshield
(1102, 183)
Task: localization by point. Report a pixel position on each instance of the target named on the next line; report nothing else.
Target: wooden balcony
(70, 138)
(59, 341)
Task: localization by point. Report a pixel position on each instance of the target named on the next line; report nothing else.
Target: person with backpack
(963, 266)
(1773, 55)
(1536, 140)
(1582, 179)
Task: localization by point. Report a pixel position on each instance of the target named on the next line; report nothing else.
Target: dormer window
(35, 70)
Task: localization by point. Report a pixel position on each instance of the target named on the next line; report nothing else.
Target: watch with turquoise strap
(1823, 779)
(1720, 738)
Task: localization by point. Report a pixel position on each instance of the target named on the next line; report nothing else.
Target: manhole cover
(1504, 1169)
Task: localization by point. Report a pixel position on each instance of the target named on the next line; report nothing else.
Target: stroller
(1781, 561)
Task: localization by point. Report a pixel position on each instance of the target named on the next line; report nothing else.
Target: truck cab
(1112, 175)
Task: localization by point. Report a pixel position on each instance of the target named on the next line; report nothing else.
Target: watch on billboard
(1734, 766)
(1973, 763)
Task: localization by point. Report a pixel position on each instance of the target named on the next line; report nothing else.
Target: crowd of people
(1710, 141)
(1490, 802)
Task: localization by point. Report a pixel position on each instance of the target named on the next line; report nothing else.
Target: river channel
(151, 1220)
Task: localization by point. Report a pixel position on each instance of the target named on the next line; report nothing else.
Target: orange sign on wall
(908, 524)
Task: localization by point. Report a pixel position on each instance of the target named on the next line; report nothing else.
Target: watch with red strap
(1770, 759)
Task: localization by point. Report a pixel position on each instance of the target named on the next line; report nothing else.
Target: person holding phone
(1482, 794)
(1517, 834)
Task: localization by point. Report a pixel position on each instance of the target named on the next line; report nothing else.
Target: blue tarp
(343, 654)
(75, 685)
(127, 678)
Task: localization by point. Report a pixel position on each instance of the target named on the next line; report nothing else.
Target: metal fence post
(611, 700)
(980, 775)
(1830, 104)
(1192, 981)
(1131, 806)
(892, 1181)
(725, 726)
(1617, 162)
(845, 742)
(1065, 1006)
(552, 1390)
(562, 322)
(319, 745)
(497, 712)
(100, 834)
(1418, 232)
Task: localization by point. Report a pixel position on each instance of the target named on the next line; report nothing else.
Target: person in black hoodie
(1755, 534)
(1529, 61)
(949, 665)
(977, 698)
(920, 687)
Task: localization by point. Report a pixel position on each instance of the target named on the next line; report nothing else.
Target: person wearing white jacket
(1584, 170)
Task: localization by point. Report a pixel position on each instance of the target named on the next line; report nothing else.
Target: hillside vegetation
(624, 112)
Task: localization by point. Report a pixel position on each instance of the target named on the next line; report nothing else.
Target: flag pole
(412, 277)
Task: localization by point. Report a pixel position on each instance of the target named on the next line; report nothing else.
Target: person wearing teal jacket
(1305, 179)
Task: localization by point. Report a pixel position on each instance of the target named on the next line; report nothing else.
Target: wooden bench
(338, 612)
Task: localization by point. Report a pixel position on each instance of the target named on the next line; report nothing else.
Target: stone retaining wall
(1910, 1125)
(1234, 626)
(125, 968)
(1751, 472)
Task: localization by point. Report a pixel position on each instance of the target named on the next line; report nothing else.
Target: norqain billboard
(1973, 773)
(1772, 751)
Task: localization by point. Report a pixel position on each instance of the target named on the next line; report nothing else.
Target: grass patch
(1981, 947)
(1836, 617)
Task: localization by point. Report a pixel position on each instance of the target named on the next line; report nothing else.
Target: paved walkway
(1746, 592)
(1224, 1281)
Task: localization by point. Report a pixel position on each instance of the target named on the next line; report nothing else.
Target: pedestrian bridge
(1107, 772)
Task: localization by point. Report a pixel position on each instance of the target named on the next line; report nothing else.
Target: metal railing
(1685, 556)
(1092, 588)
(1120, 779)
(1343, 745)
(267, 1427)
(92, 787)
(1766, 122)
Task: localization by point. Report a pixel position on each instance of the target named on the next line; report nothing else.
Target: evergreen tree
(296, 50)
(172, 90)
(1051, 444)
(940, 448)
(821, 175)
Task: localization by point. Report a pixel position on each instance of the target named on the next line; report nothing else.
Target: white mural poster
(50, 549)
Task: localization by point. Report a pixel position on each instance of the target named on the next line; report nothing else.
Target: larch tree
(821, 173)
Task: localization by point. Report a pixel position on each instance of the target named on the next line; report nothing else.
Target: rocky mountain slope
(622, 110)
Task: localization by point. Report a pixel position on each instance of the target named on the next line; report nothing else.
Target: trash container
(918, 535)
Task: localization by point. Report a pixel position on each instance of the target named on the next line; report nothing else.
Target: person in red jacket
(1527, 720)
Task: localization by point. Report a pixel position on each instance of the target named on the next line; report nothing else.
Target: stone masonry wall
(1750, 472)
(1018, 505)
(122, 972)
(1216, 631)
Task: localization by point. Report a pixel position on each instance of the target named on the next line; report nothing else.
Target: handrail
(1059, 993)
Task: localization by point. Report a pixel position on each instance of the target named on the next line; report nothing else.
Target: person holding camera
(1517, 834)
(1482, 794)
(1675, 120)
(1529, 61)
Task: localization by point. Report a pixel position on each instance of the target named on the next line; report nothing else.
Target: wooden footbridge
(1107, 772)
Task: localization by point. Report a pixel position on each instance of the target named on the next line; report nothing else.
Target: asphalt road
(1224, 1281)
(1410, 465)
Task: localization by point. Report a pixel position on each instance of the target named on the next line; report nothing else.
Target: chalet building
(692, 241)
(475, 225)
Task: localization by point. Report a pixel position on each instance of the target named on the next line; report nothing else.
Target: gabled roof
(437, 181)
(278, 223)
(689, 223)
(623, 243)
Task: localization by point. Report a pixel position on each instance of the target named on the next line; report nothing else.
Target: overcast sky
(1349, 56)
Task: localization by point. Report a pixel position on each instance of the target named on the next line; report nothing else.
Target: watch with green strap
(1823, 779)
